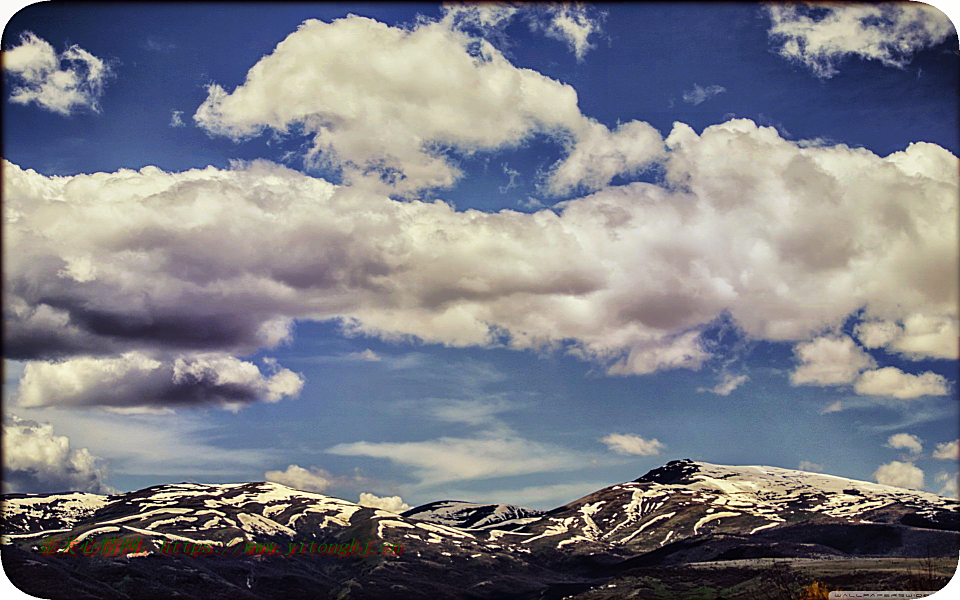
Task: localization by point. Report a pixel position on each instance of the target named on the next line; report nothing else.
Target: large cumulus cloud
(385, 103)
(35, 460)
(785, 239)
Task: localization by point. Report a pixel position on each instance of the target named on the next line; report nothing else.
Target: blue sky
(558, 246)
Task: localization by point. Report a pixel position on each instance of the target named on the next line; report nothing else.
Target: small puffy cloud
(829, 360)
(59, 82)
(35, 460)
(367, 355)
(572, 23)
(948, 450)
(393, 504)
(685, 351)
(835, 406)
(949, 485)
(918, 337)
(135, 380)
(600, 154)
(905, 441)
(900, 474)
(313, 479)
(176, 119)
(627, 443)
(891, 381)
(806, 465)
(699, 94)
(727, 384)
(819, 36)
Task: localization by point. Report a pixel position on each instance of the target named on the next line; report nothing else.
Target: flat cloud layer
(449, 459)
(135, 380)
(785, 239)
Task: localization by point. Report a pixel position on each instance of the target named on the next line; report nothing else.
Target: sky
(405, 252)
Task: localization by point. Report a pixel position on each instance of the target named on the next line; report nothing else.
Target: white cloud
(727, 384)
(891, 381)
(905, 441)
(685, 351)
(918, 337)
(136, 381)
(571, 23)
(806, 465)
(835, 406)
(818, 36)
(829, 360)
(600, 154)
(628, 277)
(367, 95)
(484, 16)
(699, 94)
(949, 485)
(176, 446)
(62, 83)
(454, 459)
(159, 45)
(391, 503)
(627, 443)
(313, 479)
(480, 413)
(176, 119)
(367, 355)
(900, 474)
(35, 460)
(948, 450)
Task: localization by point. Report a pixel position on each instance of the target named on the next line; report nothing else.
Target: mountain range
(637, 535)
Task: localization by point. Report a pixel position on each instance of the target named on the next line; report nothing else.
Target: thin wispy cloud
(820, 36)
(701, 94)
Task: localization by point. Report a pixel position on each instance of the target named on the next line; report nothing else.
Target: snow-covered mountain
(682, 512)
(685, 498)
(470, 515)
(25, 513)
(228, 517)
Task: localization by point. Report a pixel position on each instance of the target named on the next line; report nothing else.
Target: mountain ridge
(682, 512)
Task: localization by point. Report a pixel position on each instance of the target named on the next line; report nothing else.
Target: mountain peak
(675, 471)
